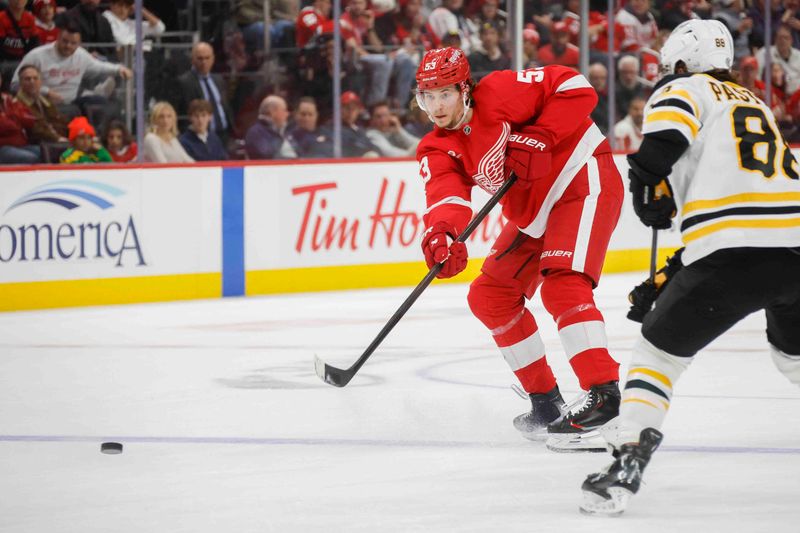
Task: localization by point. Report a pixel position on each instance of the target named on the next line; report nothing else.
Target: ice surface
(227, 428)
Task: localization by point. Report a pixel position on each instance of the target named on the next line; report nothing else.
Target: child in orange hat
(84, 148)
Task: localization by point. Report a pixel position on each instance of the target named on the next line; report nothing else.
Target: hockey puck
(111, 448)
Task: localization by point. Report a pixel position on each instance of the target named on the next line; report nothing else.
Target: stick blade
(330, 374)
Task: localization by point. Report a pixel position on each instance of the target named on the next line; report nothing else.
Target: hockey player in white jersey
(712, 153)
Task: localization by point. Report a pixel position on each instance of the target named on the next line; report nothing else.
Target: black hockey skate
(545, 408)
(578, 430)
(608, 492)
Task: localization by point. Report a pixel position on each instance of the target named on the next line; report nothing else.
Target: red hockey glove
(528, 156)
(437, 247)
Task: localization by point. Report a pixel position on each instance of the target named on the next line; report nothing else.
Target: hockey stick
(653, 255)
(339, 377)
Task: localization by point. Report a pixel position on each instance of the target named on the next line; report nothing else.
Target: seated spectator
(45, 13)
(310, 141)
(675, 12)
(560, 51)
(200, 83)
(15, 124)
(778, 93)
(405, 28)
(84, 149)
(597, 27)
(418, 123)
(50, 125)
(628, 131)
(358, 25)
(650, 59)
(123, 27)
(449, 18)
(269, 137)
(490, 14)
(629, 83)
(119, 143)
(639, 24)
(748, 78)
(17, 35)
(530, 47)
(198, 141)
(731, 13)
(161, 143)
(92, 26)
(249, 15)
(598, 79)
(355, 142)
(489, 57)
(387, 133)
(783, 53)
(309, 20)
(63, 64)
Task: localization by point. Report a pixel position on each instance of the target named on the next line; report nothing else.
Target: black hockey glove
(652, 200)
(644, 295)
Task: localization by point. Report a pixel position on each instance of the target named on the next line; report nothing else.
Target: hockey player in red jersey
(561, 213)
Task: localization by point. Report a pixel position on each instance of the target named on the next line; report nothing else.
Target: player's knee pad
(492, 303)
(566, 291)
(647, 355)
(789, 365)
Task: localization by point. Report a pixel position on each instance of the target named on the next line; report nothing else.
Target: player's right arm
(672, 122)
(449, 209)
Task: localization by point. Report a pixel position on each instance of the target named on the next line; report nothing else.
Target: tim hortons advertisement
(342, 214)
(81, 223)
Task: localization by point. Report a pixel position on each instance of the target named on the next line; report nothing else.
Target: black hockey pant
(709, 296)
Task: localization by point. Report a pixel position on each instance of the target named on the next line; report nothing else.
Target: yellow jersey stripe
(674, 116)
(690, 236)
(652, 373)
(741, 198)
(680, 93)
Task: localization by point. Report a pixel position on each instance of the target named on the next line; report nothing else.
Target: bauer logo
(70, 220)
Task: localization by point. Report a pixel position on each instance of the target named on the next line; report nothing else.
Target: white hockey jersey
(737, 183)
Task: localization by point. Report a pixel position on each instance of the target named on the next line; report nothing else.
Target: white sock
(647, 393)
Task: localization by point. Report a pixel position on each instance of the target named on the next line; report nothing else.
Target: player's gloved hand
(439, 245)
(644, 295)
(652, 197)
(528, 155)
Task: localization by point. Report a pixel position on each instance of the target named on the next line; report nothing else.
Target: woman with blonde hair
(161, 142)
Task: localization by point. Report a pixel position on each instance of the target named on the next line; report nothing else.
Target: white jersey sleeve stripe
(449, 200)
(575, 82)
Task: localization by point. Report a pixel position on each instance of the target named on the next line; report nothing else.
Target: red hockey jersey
(554, 102)
(308, 20)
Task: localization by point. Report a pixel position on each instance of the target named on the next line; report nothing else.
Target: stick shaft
(653, 255)
(429, 277)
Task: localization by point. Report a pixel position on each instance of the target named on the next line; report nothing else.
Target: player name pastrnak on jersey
(737, 183)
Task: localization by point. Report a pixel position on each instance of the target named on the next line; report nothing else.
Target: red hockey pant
(565, 262)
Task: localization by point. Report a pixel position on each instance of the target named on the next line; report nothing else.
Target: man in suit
(199, 83)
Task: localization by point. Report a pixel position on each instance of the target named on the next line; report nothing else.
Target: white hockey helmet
(702, 45)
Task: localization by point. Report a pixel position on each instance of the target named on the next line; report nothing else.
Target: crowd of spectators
(250, 84)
